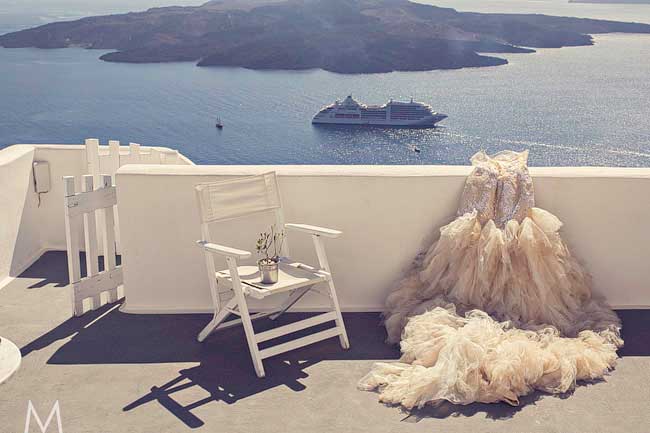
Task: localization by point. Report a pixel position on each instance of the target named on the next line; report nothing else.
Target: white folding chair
(242, 197)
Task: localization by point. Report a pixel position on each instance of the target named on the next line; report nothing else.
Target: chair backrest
(237, 198)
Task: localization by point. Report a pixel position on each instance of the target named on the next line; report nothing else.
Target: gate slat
(113, 156)
(108, 229)
(134, 151)
(154, 156)
(92, 156)
(73, 225)
(90, 234)
(109, 238)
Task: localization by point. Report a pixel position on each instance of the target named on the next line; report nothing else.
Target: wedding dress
(498, 306)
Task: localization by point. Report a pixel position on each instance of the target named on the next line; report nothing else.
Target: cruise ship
(394, 113)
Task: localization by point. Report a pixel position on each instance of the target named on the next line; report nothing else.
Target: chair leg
(343, 336)
(219, 316)
(246, 318)
(324, 263)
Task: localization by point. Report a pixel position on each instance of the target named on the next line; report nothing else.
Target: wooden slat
(114, 152)
(92, 157)
(85, 202)
(234, 322)
(154, 156)
(92, 287)
(169, 157)
(109, 227)
(299, 342)
(295, 327)
(134, 153)
(90, 235)
(72, 230)
(113, 160)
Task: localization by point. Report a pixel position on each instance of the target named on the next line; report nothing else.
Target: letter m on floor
(55, 411)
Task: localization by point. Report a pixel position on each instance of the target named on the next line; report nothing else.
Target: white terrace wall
(28, 229)
(387, 214)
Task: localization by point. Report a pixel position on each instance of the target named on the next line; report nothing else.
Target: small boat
(414, 148)
(219, 124)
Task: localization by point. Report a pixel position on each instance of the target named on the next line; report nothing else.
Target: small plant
(269, 245)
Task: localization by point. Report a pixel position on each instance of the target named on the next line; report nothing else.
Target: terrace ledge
(373, 170)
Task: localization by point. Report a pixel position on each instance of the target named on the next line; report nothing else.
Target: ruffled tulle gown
(498, 306)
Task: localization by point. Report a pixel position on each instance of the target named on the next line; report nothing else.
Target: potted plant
(269, 247)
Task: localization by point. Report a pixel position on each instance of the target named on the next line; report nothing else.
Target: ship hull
(421, 123)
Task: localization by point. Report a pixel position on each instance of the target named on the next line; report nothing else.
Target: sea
(570, 107)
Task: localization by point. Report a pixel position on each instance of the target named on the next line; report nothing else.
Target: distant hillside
(349, 36)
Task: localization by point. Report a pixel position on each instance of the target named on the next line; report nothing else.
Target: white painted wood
(169, 157)
(293, 297)
(94, 286)
(88, 292)
(290, 277)
(109, 227)
(294, 327)
(245, 317)
(154, 156)
(324, 263)
(299, 342)
(223, 250)
(219, 317)
(113, 160)
(113, 164)
(92, 157)
(85, 202)
(90, 239)
(72, 230)
(134, 153)
(315, 230)
(239, 198)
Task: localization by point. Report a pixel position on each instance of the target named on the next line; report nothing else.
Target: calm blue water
(572, 106)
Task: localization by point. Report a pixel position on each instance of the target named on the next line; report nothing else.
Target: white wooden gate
(96, 288)
(102, 160)
(107, 159)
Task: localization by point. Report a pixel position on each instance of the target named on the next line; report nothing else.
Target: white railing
(106, 160)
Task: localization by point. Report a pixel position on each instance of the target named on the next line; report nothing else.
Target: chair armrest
(224, 251)
(314, 230)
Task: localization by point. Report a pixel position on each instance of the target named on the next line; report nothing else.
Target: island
(345, 36)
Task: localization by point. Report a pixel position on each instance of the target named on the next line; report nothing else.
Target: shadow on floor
(52, 269)
(224, 369)
(494, 411)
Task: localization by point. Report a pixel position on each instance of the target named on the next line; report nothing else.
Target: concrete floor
(114, 372)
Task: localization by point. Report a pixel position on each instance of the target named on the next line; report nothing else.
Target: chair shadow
(109, 336)
(226, 380)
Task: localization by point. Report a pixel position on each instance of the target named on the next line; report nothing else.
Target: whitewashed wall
(27, 230)
(16, 245)
(387, 215)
